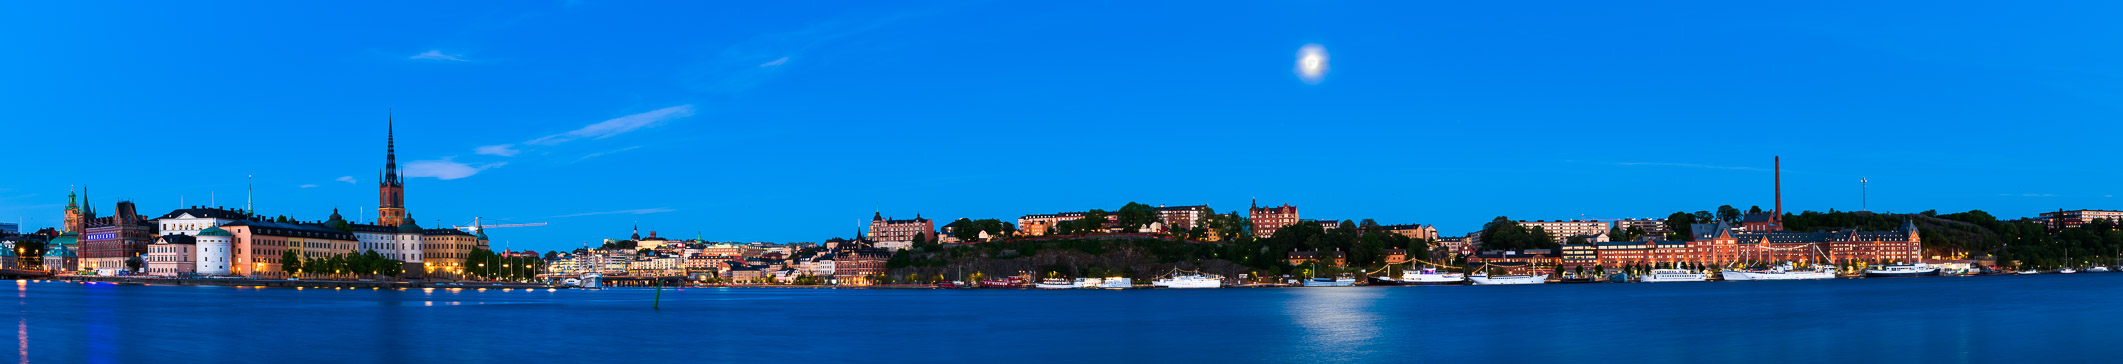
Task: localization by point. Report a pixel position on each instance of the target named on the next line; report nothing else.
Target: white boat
(1342, 281)
(1425, 276)
(1180, 279)
(1055, 283)
(1673, 275)
(1117, 283)
(1780, 273)
(1089, 283)
(1902, 270)
(1485, 279)
(2030, 271)
(2066, 270)
(2097, 269)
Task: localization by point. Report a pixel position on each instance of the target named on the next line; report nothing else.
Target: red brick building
(110, 241)
(1267, 219)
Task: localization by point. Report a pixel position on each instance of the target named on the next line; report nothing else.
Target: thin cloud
(601, 154)
(436, 55)
(347, 179)
(620, 212)
(505, 150)
(446, 169)
(617, 126)
(753, 62)
(307, 186)
(1688, 165)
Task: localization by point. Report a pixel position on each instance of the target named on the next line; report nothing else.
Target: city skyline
(800, 124)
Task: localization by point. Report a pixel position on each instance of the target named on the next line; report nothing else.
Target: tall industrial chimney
(1778, 219)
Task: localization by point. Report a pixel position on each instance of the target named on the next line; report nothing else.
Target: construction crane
(476, 226)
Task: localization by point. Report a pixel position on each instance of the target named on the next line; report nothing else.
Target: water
(1965, 319)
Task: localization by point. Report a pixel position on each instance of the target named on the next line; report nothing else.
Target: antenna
(1863, 196)
(247, 195)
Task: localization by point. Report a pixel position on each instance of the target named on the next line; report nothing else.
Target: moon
(1312, 63)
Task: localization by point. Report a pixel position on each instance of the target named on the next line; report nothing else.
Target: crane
(476, 226)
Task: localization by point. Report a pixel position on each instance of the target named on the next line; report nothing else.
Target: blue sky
(781, 121)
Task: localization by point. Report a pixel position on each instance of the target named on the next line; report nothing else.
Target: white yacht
(2066, 270)
(1780, 273)
(1902, 270)
(1425, 276)
(2097, 269)
(1673, 275)
(1189, 280)
(2030, 271)
(1485, 279)
(1117, 283)
(1055, 283)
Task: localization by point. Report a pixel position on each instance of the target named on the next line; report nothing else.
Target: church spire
(390, 150)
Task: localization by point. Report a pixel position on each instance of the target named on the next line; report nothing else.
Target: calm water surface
(1967, 319)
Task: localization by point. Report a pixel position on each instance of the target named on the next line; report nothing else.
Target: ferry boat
(1674, 275)
(1485, 279)
(1089, 283)
(1780, 273)
(1056, 283)
(1342, 281)
(1425, 276)
(1902, 270)
(1180, 279)
(1117, 283)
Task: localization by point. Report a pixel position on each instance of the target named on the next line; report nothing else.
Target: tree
(1502, 233)
(1756, 209)
(133, 263)
(1680, 223)
(1578, 240)
(1727, 213)
(1135, 217)
(290, 262)
(1705, 217)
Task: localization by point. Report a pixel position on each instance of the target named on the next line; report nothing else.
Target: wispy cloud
(617, 126)
(748, 64)
(307, 186)
(446, 168)
(347, 179)
(620, 212)
(1690, 165)
(436, 55)
(601, 154)
(505, 150)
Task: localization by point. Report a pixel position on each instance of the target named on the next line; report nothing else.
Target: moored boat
(1486, 279)
(1425, 276)
(2030, 271)
(1779, 273)
(2097, 269)
(1902, 270)
(1674, 275)
(2066, 270)
(1342, 281)
(1056, 283)
(1183, 279)
(1007, 282)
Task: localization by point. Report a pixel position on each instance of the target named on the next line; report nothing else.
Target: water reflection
(1335, 320)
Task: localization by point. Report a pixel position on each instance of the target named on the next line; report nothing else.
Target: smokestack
(1779, 217)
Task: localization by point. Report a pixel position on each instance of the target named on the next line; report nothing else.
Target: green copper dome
(60, 251)
(215, 231)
